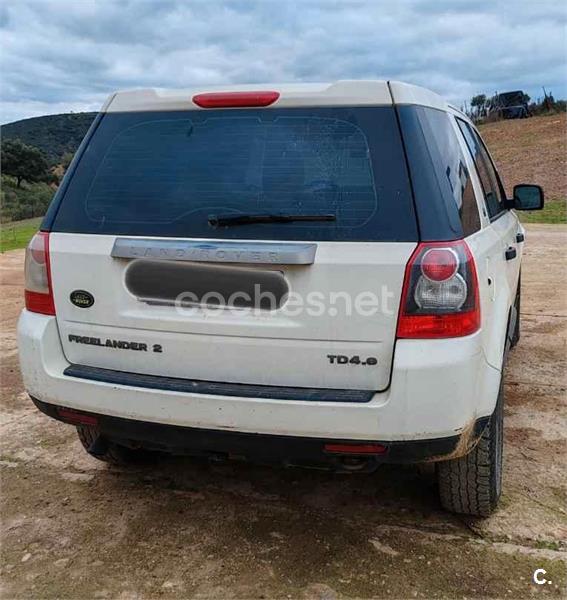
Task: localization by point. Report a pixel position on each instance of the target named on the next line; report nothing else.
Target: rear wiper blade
(229, 220)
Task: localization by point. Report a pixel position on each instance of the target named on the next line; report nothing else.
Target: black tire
(108, 451)
(471, 484)
(516, 333)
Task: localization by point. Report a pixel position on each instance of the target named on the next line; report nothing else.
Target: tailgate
(333, 327)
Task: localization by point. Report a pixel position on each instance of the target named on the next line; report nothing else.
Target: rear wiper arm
(229, 220)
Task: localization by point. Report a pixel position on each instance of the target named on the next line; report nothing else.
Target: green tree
(478, 101)
(66, 160)
(23, 162)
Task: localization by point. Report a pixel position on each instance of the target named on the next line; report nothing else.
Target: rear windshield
(170, 173)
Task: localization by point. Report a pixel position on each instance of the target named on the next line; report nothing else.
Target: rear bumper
(439, 389)
(262, 448)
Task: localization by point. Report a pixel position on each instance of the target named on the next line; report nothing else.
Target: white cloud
(60, 55)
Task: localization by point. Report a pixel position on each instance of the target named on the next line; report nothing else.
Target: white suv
(323, 275)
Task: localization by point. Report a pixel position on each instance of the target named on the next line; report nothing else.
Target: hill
(525, 150)
(533, 151)
(54, 135)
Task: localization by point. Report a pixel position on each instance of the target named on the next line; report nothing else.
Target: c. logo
(540, 580)
(81, 298)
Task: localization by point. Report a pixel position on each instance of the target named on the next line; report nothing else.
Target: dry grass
(531, 151)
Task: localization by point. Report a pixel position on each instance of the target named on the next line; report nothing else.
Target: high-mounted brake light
(235, 99)
(38, 291)
(440, 294)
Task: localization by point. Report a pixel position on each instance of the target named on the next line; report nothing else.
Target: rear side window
(445, 200)
(168, 173)
(486, 171)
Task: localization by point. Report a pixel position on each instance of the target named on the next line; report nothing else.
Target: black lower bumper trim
(264, 448)
(196, 386)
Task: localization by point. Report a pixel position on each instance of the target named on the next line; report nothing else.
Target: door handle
(520, 237)
(511, 253)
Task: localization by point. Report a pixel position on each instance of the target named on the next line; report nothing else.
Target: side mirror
(528, 197)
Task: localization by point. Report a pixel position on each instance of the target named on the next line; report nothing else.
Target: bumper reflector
(76, 418)
(356, 448)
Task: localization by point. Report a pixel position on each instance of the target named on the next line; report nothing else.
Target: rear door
(501, 268)
(305, 303)
(503, 221)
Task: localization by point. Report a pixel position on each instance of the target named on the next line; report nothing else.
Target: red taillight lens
(38, 290)
(235, 99)
(440, 294)
(439, 264)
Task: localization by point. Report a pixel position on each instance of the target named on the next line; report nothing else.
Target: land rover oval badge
(81, 298)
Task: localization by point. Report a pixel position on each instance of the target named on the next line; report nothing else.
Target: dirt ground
(75, 528)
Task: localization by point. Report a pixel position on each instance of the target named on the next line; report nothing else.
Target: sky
(69, 55)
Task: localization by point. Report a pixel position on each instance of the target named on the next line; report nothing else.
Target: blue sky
(62, 55)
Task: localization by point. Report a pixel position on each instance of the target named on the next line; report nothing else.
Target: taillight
(439, 264)
(235, 99)
(440, 293)
(38, 290)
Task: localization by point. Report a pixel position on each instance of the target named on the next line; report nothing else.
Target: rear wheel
(472, 484)
(101, 449)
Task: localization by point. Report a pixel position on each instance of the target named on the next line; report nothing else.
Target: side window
(439, 169)
(493, 196)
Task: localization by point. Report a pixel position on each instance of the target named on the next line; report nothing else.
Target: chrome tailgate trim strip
(219, 252)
